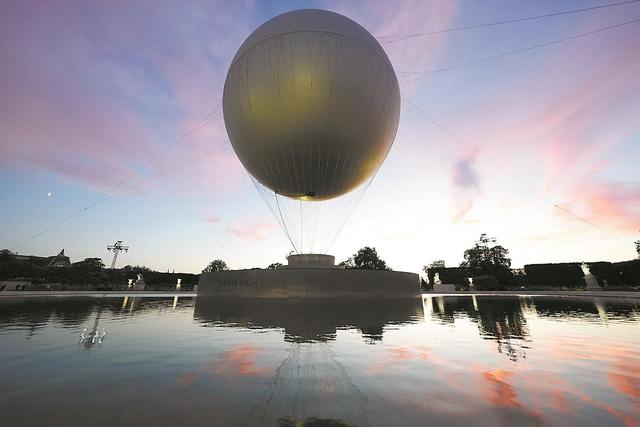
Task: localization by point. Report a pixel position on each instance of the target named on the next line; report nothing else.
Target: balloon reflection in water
(310, 320)
(310, 385)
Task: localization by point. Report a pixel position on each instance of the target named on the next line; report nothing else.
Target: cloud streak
(466, 182)
(87, 108)
(253, 231)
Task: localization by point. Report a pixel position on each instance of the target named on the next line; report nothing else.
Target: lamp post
(116, 248)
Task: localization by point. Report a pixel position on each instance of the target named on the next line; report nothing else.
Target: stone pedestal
(310, 283)
(592, 283)
(139, 284)
(444, 288)
(590, 280)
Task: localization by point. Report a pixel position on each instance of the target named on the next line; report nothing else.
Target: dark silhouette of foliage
(638, 247)
(216, 265)
(274, 265)
(435, 264)
(482, 260)
(6, 255)
(486, 282)
(365, 259)
(448, 275)
(136, 268)
(485, 260)
(89, 265)
(567, 275)
(606, 273)
(424, 285)
(87, 274)
(628, 272)
(347, 263)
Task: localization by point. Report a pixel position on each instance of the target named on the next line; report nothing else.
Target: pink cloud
(212, 219)
(625, 377)
(561, 128)
(576, 126)
(103, 88)
(238, 361)
(499, 391)
(401, 357)
(615, 206)
(78, 98)
(254, 231)
(462, 209)
(384, 18)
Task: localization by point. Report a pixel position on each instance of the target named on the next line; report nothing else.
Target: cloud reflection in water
(449, 360)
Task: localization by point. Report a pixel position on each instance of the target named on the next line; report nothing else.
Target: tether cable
(418, 111)
(401, 37)
(421, 74)
(209, 118)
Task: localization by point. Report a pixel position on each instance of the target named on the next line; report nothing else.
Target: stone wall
(310, 283)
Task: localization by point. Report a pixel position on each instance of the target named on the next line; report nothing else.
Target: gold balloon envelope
(311, 105)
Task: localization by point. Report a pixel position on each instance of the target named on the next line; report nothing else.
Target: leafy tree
(638, 247)
(348, 263)
(483, 259)
(6, 255)
(137, 268)
(216, 265)
(435, 264)
(274, 265)
(89, 264)
(365, 259)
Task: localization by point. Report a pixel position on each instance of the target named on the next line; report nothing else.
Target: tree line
(489, 268)
(365, 259)
(488, 265)
(90, 273)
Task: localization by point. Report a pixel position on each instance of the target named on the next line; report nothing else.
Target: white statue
(139, 285)
(436, 279)
(589, 279)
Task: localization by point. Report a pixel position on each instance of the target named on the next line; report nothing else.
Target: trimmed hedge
(76, 277)
(564, 275)
(606, 273)
(570, 275)
(628, 272)
(449, 275)
(487, 282)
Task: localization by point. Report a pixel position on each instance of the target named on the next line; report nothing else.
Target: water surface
(454, 361)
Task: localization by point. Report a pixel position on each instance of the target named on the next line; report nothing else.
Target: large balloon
(311, 104)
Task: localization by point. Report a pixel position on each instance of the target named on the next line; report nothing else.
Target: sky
(96, 95)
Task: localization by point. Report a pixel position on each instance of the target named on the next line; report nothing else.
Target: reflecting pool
(441, 361)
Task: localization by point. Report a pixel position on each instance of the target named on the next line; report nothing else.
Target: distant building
(60, 260)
